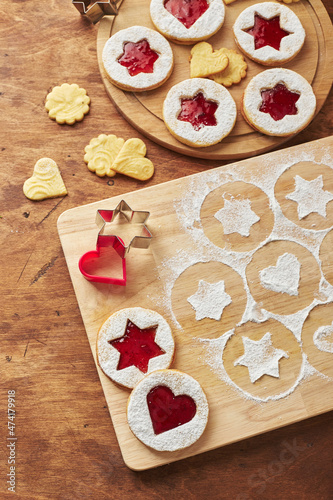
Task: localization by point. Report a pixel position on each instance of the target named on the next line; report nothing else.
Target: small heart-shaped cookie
(130, 161)
(235, 71)
(45, 182)
(205, 61)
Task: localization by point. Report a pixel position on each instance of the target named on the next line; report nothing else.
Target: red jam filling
(186, 11)
(138, 57)
(267, 32)
(137, 347)
(198, 111)
(168, 411)
(279, 102)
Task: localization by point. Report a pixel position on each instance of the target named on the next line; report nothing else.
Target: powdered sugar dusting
(310, 196)
(210, 300)
(237, 216)
(188, 208)
(261, 357)
(323, 338)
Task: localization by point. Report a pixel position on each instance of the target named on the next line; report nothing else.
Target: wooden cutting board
(144, 110)
(189, 244)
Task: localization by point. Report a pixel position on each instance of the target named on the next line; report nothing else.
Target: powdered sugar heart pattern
(284, 277)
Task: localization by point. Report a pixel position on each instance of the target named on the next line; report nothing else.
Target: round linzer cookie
(167, 410)
(199, 112)
(278, 102)
(133, 342)
(269, 33)
(137, 59)
(188, 21)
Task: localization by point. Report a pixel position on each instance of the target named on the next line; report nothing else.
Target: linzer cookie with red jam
(167, 410)
(269, 33)
(132, 343)
(187, 21)
(278, 102)
(199, 112)
(137, 59)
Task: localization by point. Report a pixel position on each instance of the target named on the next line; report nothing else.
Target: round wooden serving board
(144, 110)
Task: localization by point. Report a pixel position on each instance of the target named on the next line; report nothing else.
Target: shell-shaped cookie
(101, 153)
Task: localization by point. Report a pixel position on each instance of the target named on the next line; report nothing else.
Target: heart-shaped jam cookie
(167, 410)
(186, 11)
(187, 21)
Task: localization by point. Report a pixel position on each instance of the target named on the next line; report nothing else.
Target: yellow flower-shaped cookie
(101, 152)
(205, 61)
(67, 103)
(235, 71)
(46, 181)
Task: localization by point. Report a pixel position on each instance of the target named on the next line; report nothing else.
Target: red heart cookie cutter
(89, 259)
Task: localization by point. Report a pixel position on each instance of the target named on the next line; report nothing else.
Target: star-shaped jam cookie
(137, 347)
(186, 11)
(198, 111)
(279, 102)
(267, 32)
(138, 57)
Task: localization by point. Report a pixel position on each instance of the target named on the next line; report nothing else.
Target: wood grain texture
(144, 109)
(148, 273)
(67, 444)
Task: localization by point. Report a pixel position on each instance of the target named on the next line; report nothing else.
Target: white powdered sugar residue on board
(237, 216)
(210, 300)
(323, 338)
(188, 210)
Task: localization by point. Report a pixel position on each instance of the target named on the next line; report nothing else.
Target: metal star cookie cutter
(96, 10)
(132, 217)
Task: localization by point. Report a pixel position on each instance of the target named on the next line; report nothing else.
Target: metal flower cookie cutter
(126, 215)
(94, 11)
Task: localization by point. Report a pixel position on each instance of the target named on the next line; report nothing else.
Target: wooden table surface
(66, 446)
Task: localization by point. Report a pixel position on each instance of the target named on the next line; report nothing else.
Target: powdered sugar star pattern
(310, 196)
